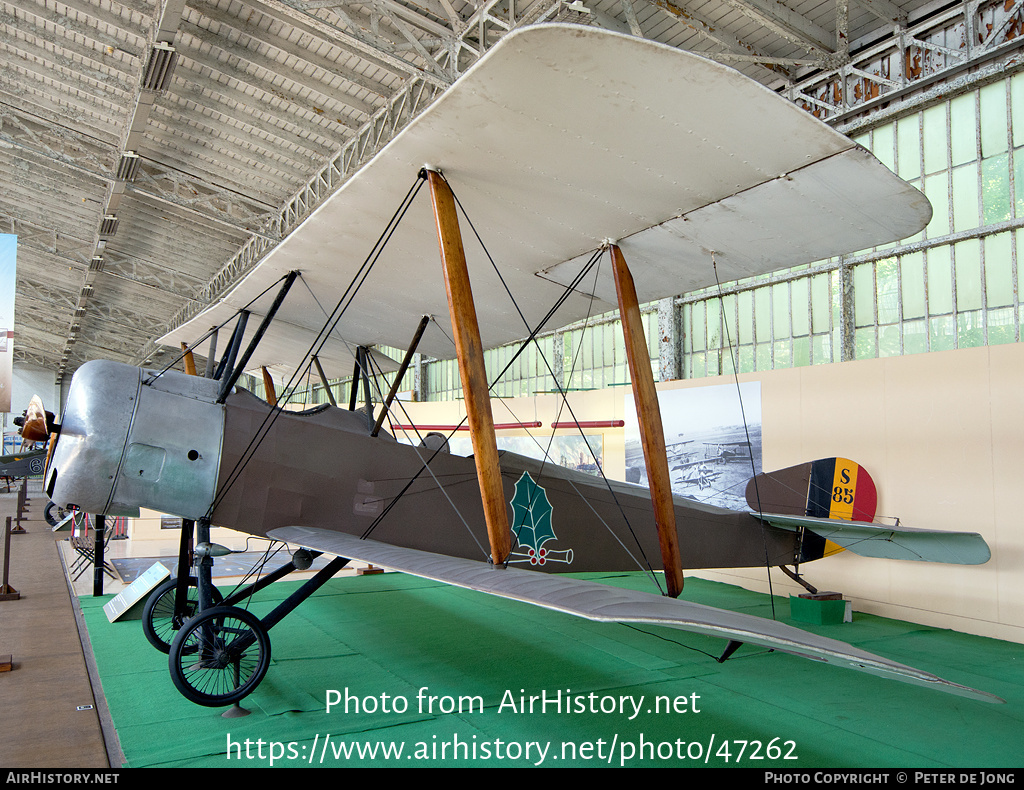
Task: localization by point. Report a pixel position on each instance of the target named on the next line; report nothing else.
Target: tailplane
(833, 501)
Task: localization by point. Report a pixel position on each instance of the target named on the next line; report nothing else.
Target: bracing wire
(532, 338)
(425, 465)
(210, 331)
(734, 358)
(321, 338)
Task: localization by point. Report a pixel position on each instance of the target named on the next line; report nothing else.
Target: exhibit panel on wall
(8, 272)
(713, 439)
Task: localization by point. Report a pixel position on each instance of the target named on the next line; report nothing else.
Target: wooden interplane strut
(268, 386)
(648, 414)
(470, 353)
(188, 360)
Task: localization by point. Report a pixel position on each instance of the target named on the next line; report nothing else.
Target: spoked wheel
(54, 514)
(159, 622)
(219, 656)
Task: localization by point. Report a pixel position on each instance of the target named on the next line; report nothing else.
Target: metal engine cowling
(131, 438)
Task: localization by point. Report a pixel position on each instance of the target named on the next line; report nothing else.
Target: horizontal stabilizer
(602, 603)
(890, 542)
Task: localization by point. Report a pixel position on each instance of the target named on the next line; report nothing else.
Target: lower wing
(611, 604)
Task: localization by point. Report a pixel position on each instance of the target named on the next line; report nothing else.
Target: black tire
(54, 514)
(159, 622)
(219, 656)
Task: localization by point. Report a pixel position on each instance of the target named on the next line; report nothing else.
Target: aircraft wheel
(159, 622)
(219, 656)
(54, 514)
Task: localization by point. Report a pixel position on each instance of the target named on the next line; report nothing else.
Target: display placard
(134, 595)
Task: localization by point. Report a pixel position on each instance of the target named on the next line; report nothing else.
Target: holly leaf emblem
(531, 514)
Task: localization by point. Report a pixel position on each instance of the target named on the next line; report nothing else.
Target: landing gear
(219, 656)
(218, 653)
(160, 618)
(55, 515)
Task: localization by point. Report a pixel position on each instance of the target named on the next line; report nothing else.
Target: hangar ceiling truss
(153, 152)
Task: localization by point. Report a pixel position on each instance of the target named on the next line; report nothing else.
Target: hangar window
(954, 285)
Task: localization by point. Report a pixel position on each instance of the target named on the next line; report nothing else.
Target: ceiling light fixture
(158, 71)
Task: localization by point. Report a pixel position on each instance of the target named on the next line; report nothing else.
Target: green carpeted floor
(392, 642)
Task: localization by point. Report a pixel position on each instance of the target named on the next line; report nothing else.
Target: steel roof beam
(709, 31)
(787, 24)
(360, 43)
(247, 59)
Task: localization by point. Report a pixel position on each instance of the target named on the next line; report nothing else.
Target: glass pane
(965, 197)
(764, 356)
(821, 349)
(1018, 179)
(915, 337)
(967, 255)
(941, 333)
(936, 142)
(936, 189)
(940, 281)
(729, 319)
(969, 330)
(714, 309)
(864, 294)
(699, 326)
(801, 351)
(783, 353)
(998, 271)
(762, 317)
(908, 142)
(821, 303)
(1017, 108)
(995, 189)
(864, 343)
(799, 291)
(963, 129)
(746, 318)
(888, 291)
(992, 99)
(1000, 326)
(697, 366)
(889, 341)
(620, 343)
(747, 359)
(882, 146)
(780, 311)
(912, 280)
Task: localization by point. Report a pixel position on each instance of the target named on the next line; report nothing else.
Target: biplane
(25, 464)
(595, 171)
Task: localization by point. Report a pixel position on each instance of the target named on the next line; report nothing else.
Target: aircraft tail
(834, 501)
(827, 488)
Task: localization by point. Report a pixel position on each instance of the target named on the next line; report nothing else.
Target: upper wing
(612, 604)
(890, 542)
(557, 139)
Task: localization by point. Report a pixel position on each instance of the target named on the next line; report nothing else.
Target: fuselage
(131, 438)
